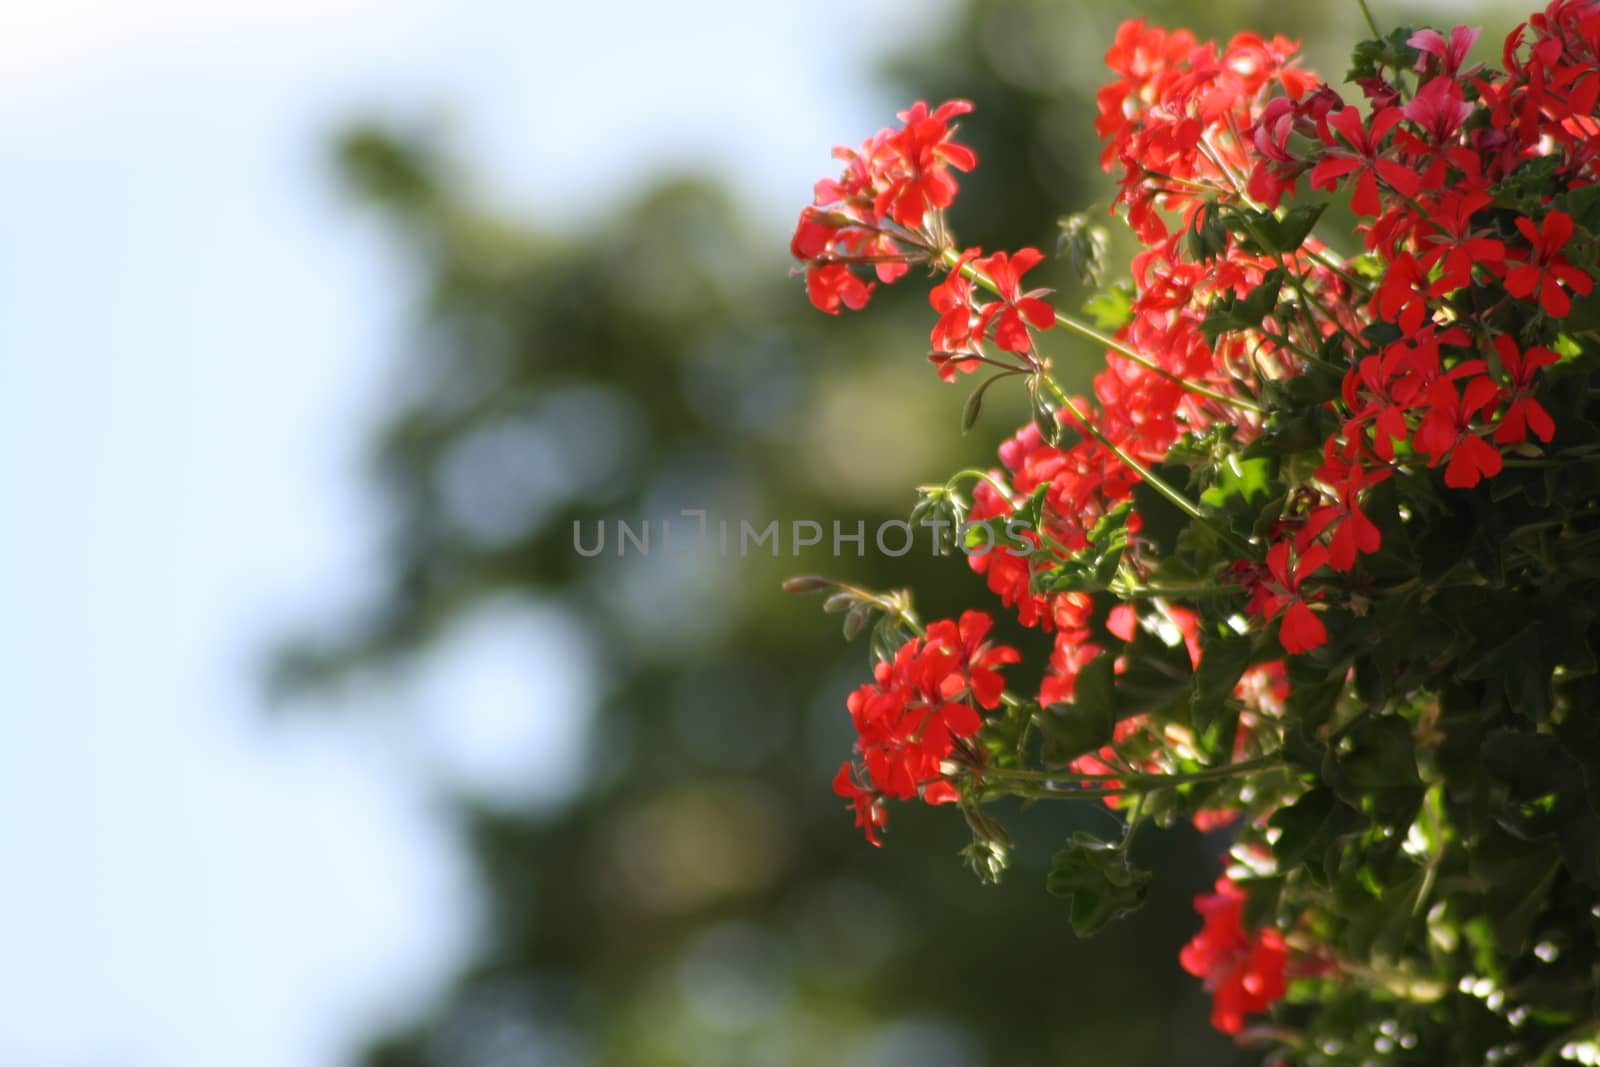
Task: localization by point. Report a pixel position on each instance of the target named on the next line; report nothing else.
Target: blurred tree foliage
(703, 899)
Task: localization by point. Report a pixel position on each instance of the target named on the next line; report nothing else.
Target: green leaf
(1381, 929)
(1517, 876)
(1265, 234)
(1154, 675)
(1163, 521)
(1370, 57)
(1314, 691)
(1222, 661)
(1378, 773)
(1111, 308)
(1206, 237)
(1583, 204)
(1098, 882)
(1549, 793)
(1261, 900)
(1296, 225)
(1087, 723)
(1518, 663)
(1243, 490)
(1230, 314)
(1310, 829)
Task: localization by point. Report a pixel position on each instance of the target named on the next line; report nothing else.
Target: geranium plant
(1319, 555)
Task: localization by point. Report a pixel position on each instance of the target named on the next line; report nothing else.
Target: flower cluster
(876, 214)
(1321, 506)
(1243, 970)
(914, 713)
(1431, 378)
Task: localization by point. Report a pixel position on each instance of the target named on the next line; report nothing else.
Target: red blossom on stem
(1353, 533)
(1454, 244)
(1362, 154)
(920, 179)
(832, 285)
(875, 214)
(916, 710)
(1447, 57)
(1203, 136)
(1015, 311)
(1523, 414)
(951, 335)
(1275, 589)
(1244, 970)
(1447, 432)
(871, 813)
(1545, 273)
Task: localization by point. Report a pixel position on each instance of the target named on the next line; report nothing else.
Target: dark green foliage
(1098, 881)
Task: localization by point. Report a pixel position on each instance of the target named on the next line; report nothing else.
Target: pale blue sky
(195, 333)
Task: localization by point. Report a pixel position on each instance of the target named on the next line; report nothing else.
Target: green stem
(1334, 262)
(1138, 782)
(1040, 791)
(977, 475)
(1372, 25)
(1135, 821)
(1176, 591)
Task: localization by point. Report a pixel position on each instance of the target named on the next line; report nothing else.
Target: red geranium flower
(1364, 157)
(1523, 413)
(871, 814)
(1274, 589)
(1244, 970)
(977, 657)
(831, 284)
(952, 299)
(926, 154)
(1446, 431)
(1011, 315)
(914, 712)
(1544, 269)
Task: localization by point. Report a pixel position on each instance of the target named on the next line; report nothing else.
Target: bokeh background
(320, 324)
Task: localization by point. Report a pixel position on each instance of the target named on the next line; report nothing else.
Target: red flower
(1402, 298)
(1244, 970)
(978, 658)
(1275, 590)
(1545, 270)
(1439, 107)
(1523, 413)
(921, 180)
(1353, 532)
(1449, 55)
(1301, 630)
(896, 175)
(952, 299)
(1452, 241)
(1446, 430)
(1364, 157)
(1068, 659)
(832, 284)
(871, 814)
(916, 709)
(1015, 310)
